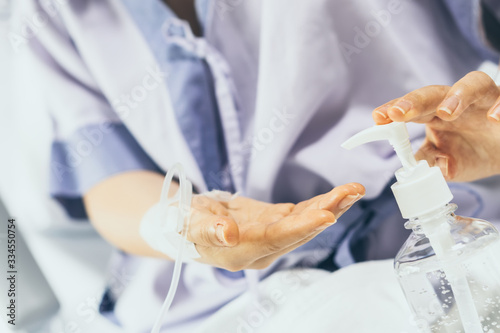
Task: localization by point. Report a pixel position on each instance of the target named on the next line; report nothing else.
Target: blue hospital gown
(191, 87)
(192, 90)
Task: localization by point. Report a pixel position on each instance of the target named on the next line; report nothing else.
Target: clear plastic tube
(442, 243)
(183, 196)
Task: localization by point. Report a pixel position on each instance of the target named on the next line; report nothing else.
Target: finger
(293, 229)
(494, 112)
(335, 201)
(266, 260)
(278, 211)
(210, 204)
(474, 88)
(340, 200)
(211, 230)
(311, 216)
(429, 152)
(265, 240)
(419, 105)
(278, 249)
(380, 116)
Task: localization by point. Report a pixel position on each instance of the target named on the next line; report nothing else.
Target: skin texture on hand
(245, 233)
(462, 125)
(239, 234)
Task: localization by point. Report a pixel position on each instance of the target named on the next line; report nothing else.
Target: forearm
(116, 206)
(238, 234)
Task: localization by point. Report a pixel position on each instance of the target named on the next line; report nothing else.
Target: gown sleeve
(89, 143)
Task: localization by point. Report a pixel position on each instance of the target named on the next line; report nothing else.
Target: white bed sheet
(364, 297)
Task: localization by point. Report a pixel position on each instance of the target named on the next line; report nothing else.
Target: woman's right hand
(462, 125)
(248, 234)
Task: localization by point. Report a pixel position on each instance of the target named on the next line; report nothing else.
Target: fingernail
(442, 163)
(496, 113)
(495, 116)
(349, 200)
(403, 106)
(449, 105)
(219, 232)
(381, 114)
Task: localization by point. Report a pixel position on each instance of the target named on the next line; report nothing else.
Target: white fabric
(159, 228)
(72, 257)
(303, 91)
(311, 94)
(363, 297)
(225, 92)
(221, 196)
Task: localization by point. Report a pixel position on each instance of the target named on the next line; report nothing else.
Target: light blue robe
(292, 80)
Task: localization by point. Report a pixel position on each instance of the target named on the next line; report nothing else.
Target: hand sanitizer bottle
(449, 268)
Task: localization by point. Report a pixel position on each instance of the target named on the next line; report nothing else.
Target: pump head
(420, 189)
(395, 133)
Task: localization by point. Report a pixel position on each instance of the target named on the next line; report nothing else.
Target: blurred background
(46, 249)
(35, 299)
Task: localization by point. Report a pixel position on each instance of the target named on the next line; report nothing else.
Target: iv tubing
(183, 195)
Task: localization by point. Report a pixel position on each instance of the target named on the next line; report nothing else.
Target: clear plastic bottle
(456, 289)
(449, 268)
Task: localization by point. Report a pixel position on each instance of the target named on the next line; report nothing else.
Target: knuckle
(419, 96)
(464, 89)
(415, 97)
(476, 83)
(205, 236)
(479, 75)
(201, 200)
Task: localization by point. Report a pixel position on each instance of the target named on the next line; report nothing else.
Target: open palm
(245, 233)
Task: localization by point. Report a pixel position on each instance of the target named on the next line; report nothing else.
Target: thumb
(436, 157)
(211, 230)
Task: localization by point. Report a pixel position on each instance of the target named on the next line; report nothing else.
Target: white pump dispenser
(420, 189)
(448, 267)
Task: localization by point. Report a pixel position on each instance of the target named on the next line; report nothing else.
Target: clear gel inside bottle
(449, 269)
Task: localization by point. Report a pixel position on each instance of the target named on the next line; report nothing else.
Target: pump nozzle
(395, 133)
(420, 189)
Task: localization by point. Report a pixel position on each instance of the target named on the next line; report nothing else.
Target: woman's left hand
(249, 234)
(462, 125)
